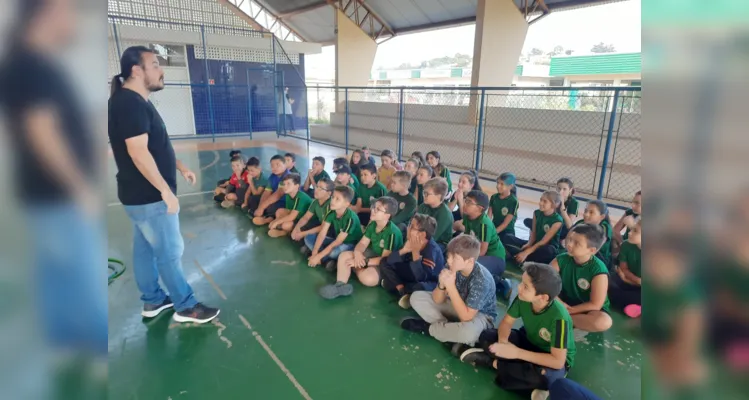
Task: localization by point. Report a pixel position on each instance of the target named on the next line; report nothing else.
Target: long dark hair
(131, 57)
(439, 168)
(602, 208)
(473, 177)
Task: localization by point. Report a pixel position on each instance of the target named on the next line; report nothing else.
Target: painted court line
(214, 162)
(275, 358)
(209, 278)
(179, 195)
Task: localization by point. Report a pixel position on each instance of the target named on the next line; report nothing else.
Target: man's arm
(272, 198)
(337, 242)
(555, 359)
(137, 148)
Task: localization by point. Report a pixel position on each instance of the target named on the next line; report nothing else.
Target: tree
(568, 52)
(556, 51)
(603, 48)
(536, 52)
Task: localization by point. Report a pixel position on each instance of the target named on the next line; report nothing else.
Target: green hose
(115, 270)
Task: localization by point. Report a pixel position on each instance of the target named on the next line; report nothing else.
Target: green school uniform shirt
(293, 170)
(319, 210)
(544, 223)
(444, 217)
(604, 253)
(446, 174)
(355, 184)
(299, 203)
(483, 229)
(348, 223)
(260, 182)
(321, 175)
(406, 208)
(627, 213)
(420, 200)
(632, 255)
(550, 328)
(369, 195)
(577, 279)
(503, 207)
(571, 205)
(390, 238)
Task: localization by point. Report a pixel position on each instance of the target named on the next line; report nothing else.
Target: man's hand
(507, 351)
(189, 176)
(172, 202)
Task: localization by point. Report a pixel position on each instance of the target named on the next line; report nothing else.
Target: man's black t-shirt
(131, 115)
(28, 81)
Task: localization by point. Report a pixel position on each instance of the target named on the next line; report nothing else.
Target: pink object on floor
(633, 310)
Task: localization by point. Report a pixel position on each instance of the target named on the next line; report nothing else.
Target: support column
(500, 35)
(354, 55)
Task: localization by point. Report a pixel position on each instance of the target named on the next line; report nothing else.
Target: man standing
(146, 186)
(287, 112)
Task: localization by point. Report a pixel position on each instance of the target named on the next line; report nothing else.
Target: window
(169, 55)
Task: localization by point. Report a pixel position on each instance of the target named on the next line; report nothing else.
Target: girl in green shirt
(544, 240)
(435, 161)
(424, 174)
(597, 213)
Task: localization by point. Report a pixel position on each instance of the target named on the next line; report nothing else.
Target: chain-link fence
(591, 135)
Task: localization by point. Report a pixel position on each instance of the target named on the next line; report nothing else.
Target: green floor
(344, 349)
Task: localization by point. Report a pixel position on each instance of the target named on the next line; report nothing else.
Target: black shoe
(458, 348)
(477, 357)
(199, 314)
(331, 265)
(415, 324)
(152, 310)
(305, 251)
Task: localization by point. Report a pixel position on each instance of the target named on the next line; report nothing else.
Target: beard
(155, 86)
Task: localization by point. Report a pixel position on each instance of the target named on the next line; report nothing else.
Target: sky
(578, 30)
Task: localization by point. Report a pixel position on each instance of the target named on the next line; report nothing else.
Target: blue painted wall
(242, 95)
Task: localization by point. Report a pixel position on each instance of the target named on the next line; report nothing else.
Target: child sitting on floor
(290, 162)
(434, 206)
(315, 175)
(273, 197)
(417, 265)
(463, 304)
(539, 353)
(386, 171)
(357, 160)
(625, 286)
(353, 180)
(543, 242)
(369, 191)
(597, 213)
(424, 174)
(232, 154)
(435, 161)
(468, 181)
(343, 177)
(476, 223)
(503, 206)
(412, 167)
(225, 193)
(311, 222)
(297, 203)
(406, 202)
(381, 238)
(627, 221)
(567, 208)
(346, 231)
(585, 279)
(256, 184)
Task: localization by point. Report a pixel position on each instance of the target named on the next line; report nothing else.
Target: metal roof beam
(354, 16)
(300, 10)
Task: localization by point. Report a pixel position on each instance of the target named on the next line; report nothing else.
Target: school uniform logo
(505, 211)
(545, 334)
(382, 243)
(583, 284)
(546, 228)
(402, 205)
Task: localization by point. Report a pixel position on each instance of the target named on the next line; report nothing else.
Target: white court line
(179, 195)
(276, 359)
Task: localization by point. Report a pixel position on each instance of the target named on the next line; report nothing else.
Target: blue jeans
(565, 389)
(310, 240)
(70, 277)
(157, 251)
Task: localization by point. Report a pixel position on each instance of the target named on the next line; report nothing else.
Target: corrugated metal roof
(317, 25)
(607, 63)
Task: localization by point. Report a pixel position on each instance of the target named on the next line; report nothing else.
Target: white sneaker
(405, 302)
(227, 204)
(539, 394)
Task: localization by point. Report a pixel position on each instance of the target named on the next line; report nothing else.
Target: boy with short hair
(297, 203)
(381, 238)
(463, 304)
(353, 180)
(543, 350)
(399, 186)
(417, 265)
(290, 162)
(478, 224)
(273, 197)
(585, 278)
(315, 175)
(435, 190)
(346, 231)
(229, 187)
(369, 191)
(343, 177)
(256, 184)
(311, 222)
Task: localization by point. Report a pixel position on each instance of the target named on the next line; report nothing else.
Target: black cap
(482, 199)
(343, 169)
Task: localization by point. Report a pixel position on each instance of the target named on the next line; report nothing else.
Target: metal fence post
(275, 87)
(345, 129)
(249, 106)
(208, 84)
(607, 150)
(480, 134)
(116, 37)
(400, 126)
